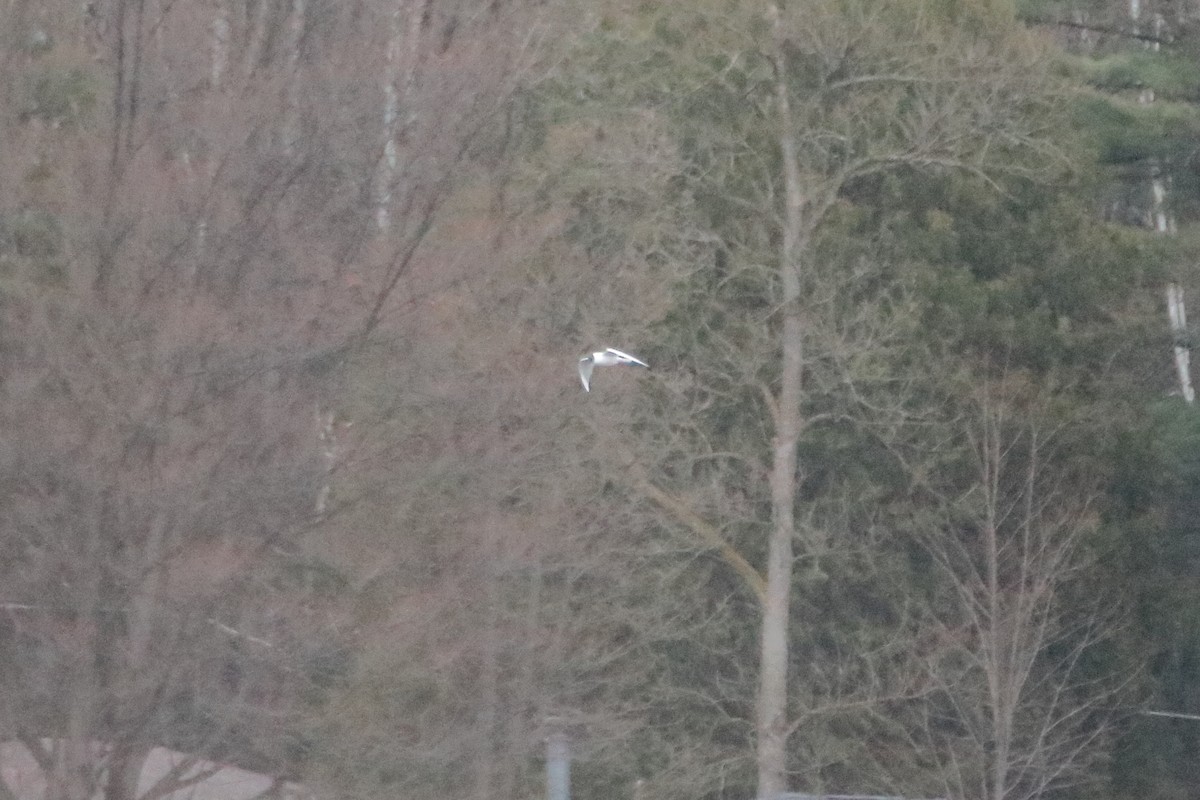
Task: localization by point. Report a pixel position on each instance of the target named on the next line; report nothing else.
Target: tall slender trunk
(517, 729)
(220, 46)
(488, 711)
(128, 25)
(1177, 316)
(1160, 219)
(256, 37)
(997, 644)
(404, 38)
(1176, 311)
(218, 64)
(771, 725)
(295, 85)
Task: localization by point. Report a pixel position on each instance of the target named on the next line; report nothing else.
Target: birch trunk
(327, 441)
(1177, 316)
(1162, 222)
(403, 46)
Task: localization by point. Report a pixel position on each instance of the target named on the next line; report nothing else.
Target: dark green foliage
(1156, 559)
(1028, 280)
(31, 234)
(58, 97)
(31, 250)
(1171, 76)
(1141, 120)
(1124, 132)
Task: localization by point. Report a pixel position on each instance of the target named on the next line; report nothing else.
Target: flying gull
(607, 358)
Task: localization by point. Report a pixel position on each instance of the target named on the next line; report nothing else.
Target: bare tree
(1018, 713)
(187, 281)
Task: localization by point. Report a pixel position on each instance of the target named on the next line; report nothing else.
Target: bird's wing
(585, 373)
(625, 357)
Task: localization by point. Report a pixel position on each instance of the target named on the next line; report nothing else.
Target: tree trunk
(997, 642)
(487, 711)
(295, 84)
(403, 45)
(1177, 316)
(771, 727)
(220, 47)
(1162, 223)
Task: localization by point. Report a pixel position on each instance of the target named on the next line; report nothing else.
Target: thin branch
(1105, 29)
(707, 533)
(1171, 715)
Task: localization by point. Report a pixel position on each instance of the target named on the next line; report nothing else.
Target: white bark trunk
(1177, 315)
(327, 438)
(1162, 222)
(402, 51)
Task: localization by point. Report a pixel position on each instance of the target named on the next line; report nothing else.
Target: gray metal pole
(558, 767)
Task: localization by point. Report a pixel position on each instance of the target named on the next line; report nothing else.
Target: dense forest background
(296, 472)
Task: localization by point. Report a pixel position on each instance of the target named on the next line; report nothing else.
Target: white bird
(607, 358)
